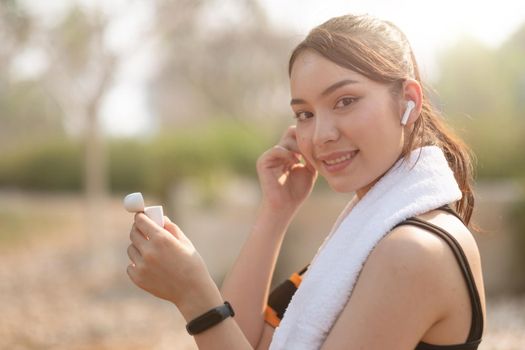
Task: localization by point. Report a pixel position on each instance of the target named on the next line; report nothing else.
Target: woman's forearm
(224, 335)
(247, 284)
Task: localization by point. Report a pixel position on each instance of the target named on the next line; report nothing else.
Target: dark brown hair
(379, 50)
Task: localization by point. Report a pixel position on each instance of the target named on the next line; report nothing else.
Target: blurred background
(177, 99)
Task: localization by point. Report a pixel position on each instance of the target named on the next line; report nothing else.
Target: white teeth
(338, 160)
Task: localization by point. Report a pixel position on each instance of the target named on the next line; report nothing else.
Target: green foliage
(128, 165)
(483, 94)
(55, 165)
(204, 153)
(28, 113)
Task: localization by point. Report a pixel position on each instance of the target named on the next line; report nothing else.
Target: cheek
(379, 126)
(302, 143)
(301, 136)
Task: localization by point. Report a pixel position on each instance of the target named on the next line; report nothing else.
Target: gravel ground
(63, 293)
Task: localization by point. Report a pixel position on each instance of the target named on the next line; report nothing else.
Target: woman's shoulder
(412, 252)
(403, 289)
(418, 258)
(426, 241)
(428, 260)
(427, 257)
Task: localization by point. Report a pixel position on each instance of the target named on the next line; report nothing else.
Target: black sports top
(280, 297)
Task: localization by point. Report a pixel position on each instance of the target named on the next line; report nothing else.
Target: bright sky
(430, 26)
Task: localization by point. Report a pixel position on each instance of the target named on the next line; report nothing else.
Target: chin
(342, 187)
(349, 186)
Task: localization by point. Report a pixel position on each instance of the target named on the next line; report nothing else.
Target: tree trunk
(95, 179)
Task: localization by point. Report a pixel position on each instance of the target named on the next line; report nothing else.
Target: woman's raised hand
(165, 263)
(286, 178)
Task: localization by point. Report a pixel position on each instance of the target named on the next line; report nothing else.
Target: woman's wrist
(200, 302)
(278, 214)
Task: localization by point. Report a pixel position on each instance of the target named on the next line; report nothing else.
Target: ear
(412, 91)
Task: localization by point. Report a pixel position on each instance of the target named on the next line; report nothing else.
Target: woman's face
(348, 126)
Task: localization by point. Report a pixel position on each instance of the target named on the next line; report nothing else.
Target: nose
(326, 130)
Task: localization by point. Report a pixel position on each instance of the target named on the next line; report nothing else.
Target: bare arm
(247, 285)
(166, 264)
(285, 184)
(224, 335)
(411, 289)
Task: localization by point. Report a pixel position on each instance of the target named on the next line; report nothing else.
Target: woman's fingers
(134, 255)
(286, 153)
(137, 238)
(147, 226)
(289, 140)
(133, 274)
(156, 234)
(309, 166)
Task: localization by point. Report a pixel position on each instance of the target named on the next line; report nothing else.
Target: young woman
(399, 270)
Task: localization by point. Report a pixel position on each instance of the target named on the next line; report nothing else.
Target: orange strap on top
(271, 316)
(296, 279)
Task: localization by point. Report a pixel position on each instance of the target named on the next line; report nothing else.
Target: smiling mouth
(336, 165)
(340, 159)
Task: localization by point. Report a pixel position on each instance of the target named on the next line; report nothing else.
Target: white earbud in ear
(410, 106)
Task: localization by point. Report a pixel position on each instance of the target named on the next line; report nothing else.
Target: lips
(337, 161)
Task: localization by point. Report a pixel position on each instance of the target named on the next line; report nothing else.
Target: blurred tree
(80, 74)
(210, 68)
(480, 88)
(513, 51)
(29, 114)
(27, 110)
(216, 61)
(218, 65)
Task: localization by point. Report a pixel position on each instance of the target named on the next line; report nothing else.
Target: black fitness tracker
(210, 318)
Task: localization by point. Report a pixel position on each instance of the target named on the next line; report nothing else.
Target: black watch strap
(210, 318)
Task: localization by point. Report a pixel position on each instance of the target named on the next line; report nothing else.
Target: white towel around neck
(410, 188)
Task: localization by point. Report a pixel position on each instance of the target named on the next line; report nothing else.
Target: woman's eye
(345, 101)
(303, 115)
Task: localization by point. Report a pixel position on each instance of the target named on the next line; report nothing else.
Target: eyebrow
(326, 91)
